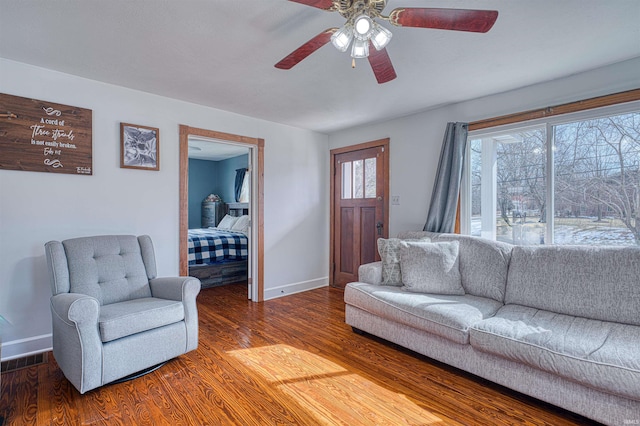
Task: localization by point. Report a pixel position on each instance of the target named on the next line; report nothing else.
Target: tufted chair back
(110, 268)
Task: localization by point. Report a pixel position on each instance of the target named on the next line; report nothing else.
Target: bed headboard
(237, 209)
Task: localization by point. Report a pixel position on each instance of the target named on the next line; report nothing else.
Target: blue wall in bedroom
(228, 176)
(211, 177)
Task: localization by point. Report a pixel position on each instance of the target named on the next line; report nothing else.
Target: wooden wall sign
(41, 136)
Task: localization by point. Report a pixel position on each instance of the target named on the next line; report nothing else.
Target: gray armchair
(111, 316)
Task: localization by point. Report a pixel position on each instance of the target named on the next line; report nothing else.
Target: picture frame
(139, 147)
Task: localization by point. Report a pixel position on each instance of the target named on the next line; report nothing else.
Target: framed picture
(139, 147)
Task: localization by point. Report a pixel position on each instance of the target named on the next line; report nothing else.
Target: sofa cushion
(587, 281)
(134, 316)
(430, 267)
(484, 264)
(602, 355)
(447, 316)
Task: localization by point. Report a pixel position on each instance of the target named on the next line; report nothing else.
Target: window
(359, 179)
(244, 191)
(572, 179)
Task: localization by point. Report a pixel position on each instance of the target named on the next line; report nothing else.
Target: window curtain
(444, 199)
(238, 183)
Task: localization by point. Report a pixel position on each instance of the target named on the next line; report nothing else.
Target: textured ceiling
(221, 53)
(206, 150)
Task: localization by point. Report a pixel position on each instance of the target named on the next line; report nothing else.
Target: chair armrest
(77, 346)
(76, 308)
(185, 289)
(370, 273)
(175, 288)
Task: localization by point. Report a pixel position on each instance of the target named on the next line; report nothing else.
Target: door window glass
(370, 178)
(359, 179)
(346, 180)
(358, 175)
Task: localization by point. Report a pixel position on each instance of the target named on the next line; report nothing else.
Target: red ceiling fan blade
(306, 49)
(381, 64)
(477, 21)
(320, 4)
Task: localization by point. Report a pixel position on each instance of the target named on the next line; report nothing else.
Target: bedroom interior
(218, 187)
(276, 349)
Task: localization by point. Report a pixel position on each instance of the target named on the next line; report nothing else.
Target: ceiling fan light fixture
(380, 37)
(360, 49)
(341, 39)
(363, 27)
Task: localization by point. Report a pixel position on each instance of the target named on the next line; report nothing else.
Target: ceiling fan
(368, 39)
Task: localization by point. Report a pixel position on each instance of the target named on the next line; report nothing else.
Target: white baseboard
(26, 347)
(285, 290)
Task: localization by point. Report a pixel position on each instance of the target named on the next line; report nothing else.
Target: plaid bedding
(211, 245)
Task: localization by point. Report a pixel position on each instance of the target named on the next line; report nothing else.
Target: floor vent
(28, 361)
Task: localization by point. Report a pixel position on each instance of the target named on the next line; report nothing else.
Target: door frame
(257, 201)
(384, 144)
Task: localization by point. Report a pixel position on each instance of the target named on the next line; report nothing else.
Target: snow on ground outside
(582, 231)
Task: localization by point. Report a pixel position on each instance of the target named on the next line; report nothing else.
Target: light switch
(395, 200)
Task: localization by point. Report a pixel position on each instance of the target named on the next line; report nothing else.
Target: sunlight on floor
(330, 393)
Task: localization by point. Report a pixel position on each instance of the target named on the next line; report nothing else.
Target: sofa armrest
(370, 273)
(185, 289)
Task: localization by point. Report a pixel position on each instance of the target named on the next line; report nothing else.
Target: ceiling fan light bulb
(381, 37)
(363, 27)
(360, 49)
(341, 39)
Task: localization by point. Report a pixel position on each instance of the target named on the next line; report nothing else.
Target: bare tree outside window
(598, 178)
(596, 191)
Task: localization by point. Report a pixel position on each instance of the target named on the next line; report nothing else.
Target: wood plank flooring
(289, 361)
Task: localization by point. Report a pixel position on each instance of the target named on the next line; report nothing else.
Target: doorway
(359, 207)
(256, 233)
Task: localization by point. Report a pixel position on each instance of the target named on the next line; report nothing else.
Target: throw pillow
(431, 267)
(227, 222)
(389, 251)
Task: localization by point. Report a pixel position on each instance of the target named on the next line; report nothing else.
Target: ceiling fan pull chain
(353, 62)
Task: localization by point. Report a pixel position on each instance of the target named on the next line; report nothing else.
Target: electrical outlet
(395, 200)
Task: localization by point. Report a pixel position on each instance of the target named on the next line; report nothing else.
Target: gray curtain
(444, 199)
(238, 183)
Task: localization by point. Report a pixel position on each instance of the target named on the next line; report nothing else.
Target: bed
(217, 256)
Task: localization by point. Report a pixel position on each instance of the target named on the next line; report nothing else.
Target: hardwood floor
(289, 361)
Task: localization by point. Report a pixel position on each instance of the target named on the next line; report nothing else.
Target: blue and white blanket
(211, 245)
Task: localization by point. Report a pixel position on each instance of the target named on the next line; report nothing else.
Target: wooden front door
(359, 208)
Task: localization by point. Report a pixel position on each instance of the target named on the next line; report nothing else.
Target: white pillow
(431, 267)
(227, 222)
(241, 225)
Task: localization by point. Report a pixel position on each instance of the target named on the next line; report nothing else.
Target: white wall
(415, 140)
(38, 207)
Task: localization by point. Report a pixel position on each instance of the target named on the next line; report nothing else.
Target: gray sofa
(559, 323)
